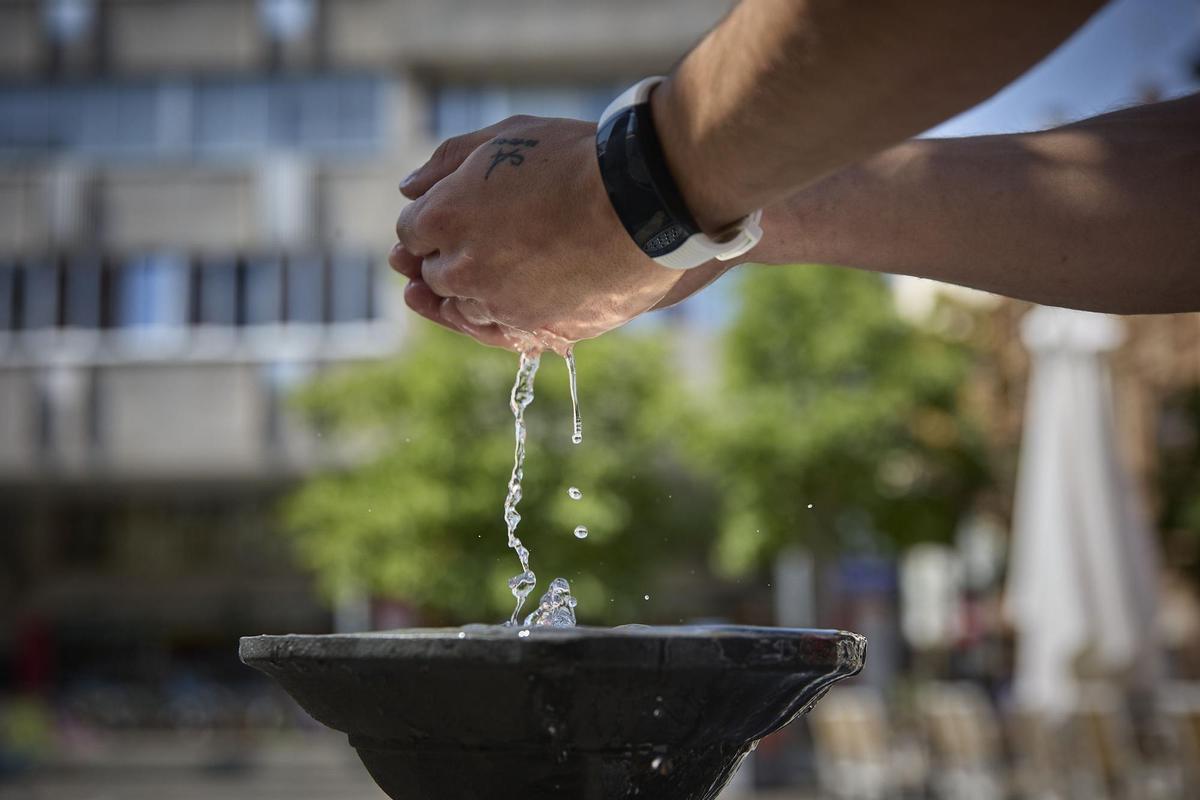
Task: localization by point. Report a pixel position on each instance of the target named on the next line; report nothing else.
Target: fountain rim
(845, 651)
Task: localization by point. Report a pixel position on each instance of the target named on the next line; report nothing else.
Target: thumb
(448, 157)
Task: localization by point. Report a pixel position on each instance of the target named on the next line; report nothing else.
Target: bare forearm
(1103, 214)
(786, 91)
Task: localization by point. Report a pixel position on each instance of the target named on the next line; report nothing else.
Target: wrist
(645, 194)
(709, 193)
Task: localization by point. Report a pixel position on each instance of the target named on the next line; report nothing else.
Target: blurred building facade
(196, 197)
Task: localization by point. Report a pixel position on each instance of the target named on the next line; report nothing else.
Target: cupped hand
(510, 238)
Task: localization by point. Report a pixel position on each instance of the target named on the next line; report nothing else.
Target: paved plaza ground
(318, 766)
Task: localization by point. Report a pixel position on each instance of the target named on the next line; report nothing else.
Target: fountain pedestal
(484, 712)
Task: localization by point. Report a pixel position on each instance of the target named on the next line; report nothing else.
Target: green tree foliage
(827, 397)
(420, 518)
(832, 399)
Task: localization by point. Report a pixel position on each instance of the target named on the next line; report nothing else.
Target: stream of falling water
(557, 605)
(577, 431)
(522, 395)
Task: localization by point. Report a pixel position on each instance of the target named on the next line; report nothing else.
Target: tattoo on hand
(509, 150)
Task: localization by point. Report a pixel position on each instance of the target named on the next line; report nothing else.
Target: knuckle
(435, 220)
(449, 151)
(450, 279)
(404, 222)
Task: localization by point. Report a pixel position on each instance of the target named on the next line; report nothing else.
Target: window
(351, 279)
(117, 119)
(305, 290)
(25, 120)
(324, 113)
(203, 117)
(358, 105)
(83, 293)
(230, 117)
(263, 297)
(464, 108)
(152, 292)
(8, 291)
(217, 301)
(39, 296)
(167, 292)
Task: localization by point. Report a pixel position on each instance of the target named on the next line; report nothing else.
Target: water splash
(577, 431)
(556, 608)
(522, 395)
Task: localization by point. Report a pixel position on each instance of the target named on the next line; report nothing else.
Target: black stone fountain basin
(492, 713)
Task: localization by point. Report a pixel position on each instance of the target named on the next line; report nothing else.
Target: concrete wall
(17, 420)
(192, 35)
(361, 205)
(557, 37)
(181, 207)
(20, 37)
(181, 420)
(22, 211)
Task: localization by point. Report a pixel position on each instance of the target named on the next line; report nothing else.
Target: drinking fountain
(498, 712)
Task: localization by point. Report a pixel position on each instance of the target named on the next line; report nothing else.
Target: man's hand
(511, 238)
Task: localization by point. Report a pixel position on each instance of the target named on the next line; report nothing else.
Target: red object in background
(34, 666)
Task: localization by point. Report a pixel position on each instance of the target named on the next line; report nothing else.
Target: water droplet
(810, 505)
(462, 634)
(576, 438)
(646, 597)
(574, 493)
(658, 713)
(523, 634)
(581, 532)
(656, 763)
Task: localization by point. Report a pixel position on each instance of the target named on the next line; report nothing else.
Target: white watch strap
(633, 96)
(698, 248)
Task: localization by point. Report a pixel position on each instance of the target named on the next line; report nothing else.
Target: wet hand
(510, 238)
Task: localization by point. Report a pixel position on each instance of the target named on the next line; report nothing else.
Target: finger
(404, 262)
(448, 157)
(411, 233)
(439, 274)
(421, 299)
(489, 334)
(442, 310)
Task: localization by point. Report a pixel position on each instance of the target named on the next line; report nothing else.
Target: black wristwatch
(645, 196)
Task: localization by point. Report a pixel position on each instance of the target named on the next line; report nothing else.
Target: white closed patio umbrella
(1083, 570)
